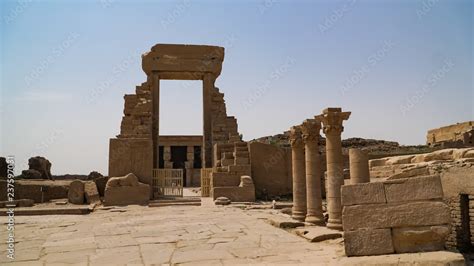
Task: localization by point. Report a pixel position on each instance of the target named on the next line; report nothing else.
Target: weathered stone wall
(137, 119)
(455, 167)
(243, 192)
(471, 220)
(185, 140)
(462, 133)
(231, 164)
(224, 128)
(458, 186)
(462, 223)
(141, 118)
(420, 164)
(132, 150)
(130, 155)
(396, 216)
(271, 170)
(37, 190)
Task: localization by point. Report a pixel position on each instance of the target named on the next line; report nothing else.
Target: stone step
(243, 154)
(241, 144)
(318, 233)
(284, 222)
(241, 149)
(177, 199)
(166, 204)
(49, 211)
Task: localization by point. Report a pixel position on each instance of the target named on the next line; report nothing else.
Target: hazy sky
(401, 67)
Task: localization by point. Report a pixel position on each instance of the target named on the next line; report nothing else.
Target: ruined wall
(271, 170)
(462, 133)
(132, 150)
(458, 186)
(395, 216)
(136, 122)
(461, 236)
(136, 127)
(131, 155)
(456, 170)
(39, 190)
(224, 128)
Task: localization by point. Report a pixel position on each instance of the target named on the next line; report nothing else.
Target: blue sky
(401, 67)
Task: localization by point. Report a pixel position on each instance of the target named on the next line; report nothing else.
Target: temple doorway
(178, 158)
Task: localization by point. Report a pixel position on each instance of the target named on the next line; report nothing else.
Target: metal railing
(206, 182)
(167, 183)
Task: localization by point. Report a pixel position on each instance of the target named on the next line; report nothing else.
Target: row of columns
(188, 164)
(167, 157)
(307, 199)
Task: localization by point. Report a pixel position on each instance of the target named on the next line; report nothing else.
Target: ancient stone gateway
(137, 148)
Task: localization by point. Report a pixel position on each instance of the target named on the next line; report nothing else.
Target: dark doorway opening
(161, 162)
(178, 157)
(197, 157)
(464, 235)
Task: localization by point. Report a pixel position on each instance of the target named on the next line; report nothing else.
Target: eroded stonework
(136, 148)
(461, 134)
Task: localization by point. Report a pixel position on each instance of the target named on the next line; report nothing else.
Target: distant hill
(375, 147)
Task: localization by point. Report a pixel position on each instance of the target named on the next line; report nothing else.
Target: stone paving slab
(318, 233)
(283, 222)
(189, 235)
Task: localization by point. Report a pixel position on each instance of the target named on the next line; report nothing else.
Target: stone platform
(181, 235)
(55, 207)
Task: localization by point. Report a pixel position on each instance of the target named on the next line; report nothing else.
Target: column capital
(332, 119)
(296, 138)
(310, 130)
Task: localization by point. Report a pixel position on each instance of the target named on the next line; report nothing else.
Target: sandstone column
(310, 130)
(332, 119)
(155, 93)
(299, 183)
(208, 87)
(359, 166)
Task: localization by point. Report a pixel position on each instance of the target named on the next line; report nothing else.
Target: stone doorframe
(184, 62)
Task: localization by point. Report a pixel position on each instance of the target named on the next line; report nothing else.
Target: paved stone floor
(167, 235)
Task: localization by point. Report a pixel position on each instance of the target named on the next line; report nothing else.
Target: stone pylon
(359, 166)
(332, 119)
(299, 180)
(310, 129)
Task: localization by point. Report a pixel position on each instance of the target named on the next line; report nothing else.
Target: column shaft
(335, 179)
(332, 119)
(359, 166)
(313, 183)
(299, 183)
(298, 211)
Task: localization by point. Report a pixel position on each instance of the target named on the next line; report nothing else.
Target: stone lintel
(189, 51)
(179, 75)
(332, 109)
(183, 58)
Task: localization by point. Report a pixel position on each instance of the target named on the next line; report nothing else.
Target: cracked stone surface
(167, 235)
